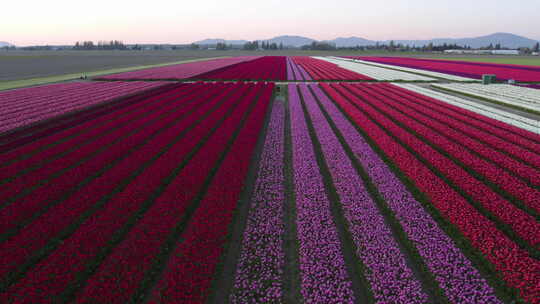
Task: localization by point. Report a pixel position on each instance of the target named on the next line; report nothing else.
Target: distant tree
(281, 45)
(536, 47)
(498, 46)
(194, 46)
(273, 46)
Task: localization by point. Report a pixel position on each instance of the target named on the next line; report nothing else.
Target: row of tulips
(323, 272)
(513, 128)
(296, 72)
(264, 68)
(109, 200)
(259, 273)
(522, 223)
(192, 264)
(454, 273)
(462, 68)
(516, 267)
(182, 70)
(324, 70)
(391, 279)
(22, 107)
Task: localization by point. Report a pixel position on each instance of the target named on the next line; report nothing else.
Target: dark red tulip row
(265, 68)
(125, 267)
(191, 268)
(92, 213)
(324, 70)
(516, 267)
(462, 68)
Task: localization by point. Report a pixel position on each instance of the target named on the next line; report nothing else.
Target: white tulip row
(513, 95)
(374, 72)
(500, 115)
(405, 69)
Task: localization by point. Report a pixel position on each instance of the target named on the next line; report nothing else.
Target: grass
(7, 85)
(501, 60)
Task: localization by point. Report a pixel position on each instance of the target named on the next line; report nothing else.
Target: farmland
(273, 179)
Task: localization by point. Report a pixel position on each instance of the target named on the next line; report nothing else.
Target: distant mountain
(2, 44)
(505, 39)
(216, 41)
(291, 41)
(351, 42)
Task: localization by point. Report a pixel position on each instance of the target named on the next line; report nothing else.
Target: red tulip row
(375, 104)
(462, 68)
(521, 144)
(517, 268)
(78, 225)
(193, 262)
(22, 107)
(512, 183)
(265, 68)
(323, 70)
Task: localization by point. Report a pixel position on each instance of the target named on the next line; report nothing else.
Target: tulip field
(463, 68)
(270, 179)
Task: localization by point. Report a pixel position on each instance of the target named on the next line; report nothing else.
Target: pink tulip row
(295, 71)
(391, 279)
(259, 273)
(22, 107)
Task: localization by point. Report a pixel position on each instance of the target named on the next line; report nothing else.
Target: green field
(502, 60)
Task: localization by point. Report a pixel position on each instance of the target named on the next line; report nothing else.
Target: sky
(57, 22)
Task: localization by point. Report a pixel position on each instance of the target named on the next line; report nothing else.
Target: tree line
(101, 45)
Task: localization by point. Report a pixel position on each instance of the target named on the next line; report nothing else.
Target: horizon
(168, 22)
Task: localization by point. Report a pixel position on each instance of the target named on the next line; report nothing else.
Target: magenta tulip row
(259, 273)
(295, 71)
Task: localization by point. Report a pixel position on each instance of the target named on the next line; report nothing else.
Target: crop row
(373, 71)
(323, 70)
(22, 107)
(461, 68)
(515, 123)
(105, 207)
(295, 71)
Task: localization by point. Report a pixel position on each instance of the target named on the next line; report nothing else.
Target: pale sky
(174, 21)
